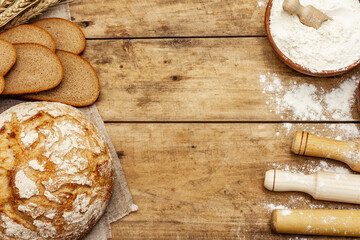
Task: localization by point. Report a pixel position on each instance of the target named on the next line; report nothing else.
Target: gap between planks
(177, 37)
(233, 122)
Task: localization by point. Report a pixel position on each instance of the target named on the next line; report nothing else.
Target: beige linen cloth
(121, 202)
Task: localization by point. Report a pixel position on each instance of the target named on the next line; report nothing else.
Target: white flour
(34, 164)
(293, 202)
(310, 167)
(16, 230)
(302, 201)
(261, 3)
(310, 103)
(344, 131)
(29, 138)
(27, 187)
(335, 45)
(271, 207)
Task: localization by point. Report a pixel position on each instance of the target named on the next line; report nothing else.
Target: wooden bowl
(296, 66)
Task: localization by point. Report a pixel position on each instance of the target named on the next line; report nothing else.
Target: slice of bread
(37, 69)
(7, 56)
(2, 84)
(67, 35)
(80, 85)
(29, 34)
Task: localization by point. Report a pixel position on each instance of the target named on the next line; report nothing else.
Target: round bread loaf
(56, 172)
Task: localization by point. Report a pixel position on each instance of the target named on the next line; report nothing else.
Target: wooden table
(182, 101)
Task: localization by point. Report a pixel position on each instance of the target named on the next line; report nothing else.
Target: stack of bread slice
(7, 60)
(41, 61)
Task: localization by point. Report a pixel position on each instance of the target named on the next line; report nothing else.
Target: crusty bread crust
(12, 58)
(43, 24)
(18, 86)
(56, 173)
(2, 84)
(65, 88)
(11, 36)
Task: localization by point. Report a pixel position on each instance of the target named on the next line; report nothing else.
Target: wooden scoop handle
(321, 185)
(309, 15)
(317, 222)
(292, 6)
(311, 145)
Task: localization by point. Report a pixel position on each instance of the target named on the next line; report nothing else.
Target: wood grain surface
(193, 79)
(169, 18)
(201, 181)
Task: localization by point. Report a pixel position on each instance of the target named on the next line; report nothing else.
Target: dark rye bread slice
(79, 87)
(29, 34)
(7, 56)
(37, 69)
(67, 35)
(2, 84)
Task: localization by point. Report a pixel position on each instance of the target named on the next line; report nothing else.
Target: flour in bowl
(334, 46)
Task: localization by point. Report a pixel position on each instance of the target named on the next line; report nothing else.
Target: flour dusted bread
(7, 56)
(67, 35)
(29, 34)
(56, 173)
(80, 85)
(36, 69)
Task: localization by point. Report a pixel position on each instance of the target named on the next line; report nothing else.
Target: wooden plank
(195, 80)
(164, 18)
(201, 181)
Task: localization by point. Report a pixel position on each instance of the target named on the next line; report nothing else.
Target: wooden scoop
(309, 15)
(317, 222)
(321, 185)
(311, 145)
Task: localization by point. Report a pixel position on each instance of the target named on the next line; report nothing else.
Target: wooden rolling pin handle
(282, 181)
(311, 145)
(300, 143)
(317, 222)
(321, 185)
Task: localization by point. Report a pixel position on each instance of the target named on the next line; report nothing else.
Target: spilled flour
(345, 132)
(261, 3)
(307, 102)
(348, 131)
(310, 167)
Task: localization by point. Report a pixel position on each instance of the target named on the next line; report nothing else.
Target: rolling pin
(309, 15)
(321, 185)
(311, 145)
(317, 222)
